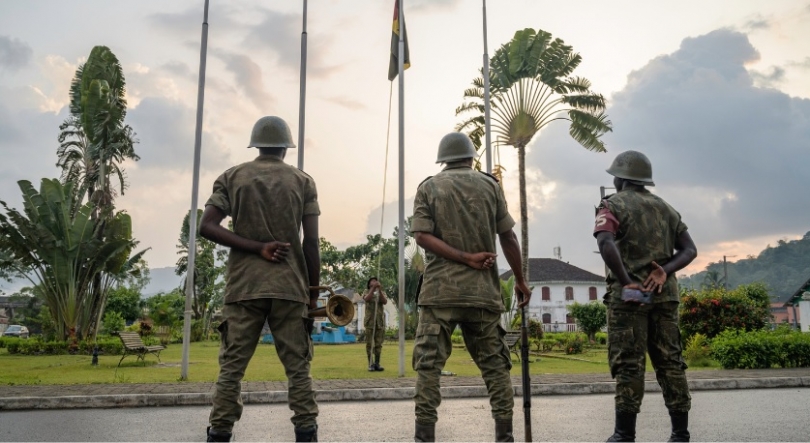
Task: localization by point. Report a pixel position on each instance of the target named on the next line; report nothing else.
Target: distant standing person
(374, 322)
(270, 271)
(457, 214)
(644, 243)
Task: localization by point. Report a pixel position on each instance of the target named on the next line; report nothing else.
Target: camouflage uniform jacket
(370, 317)
(465, 209)
(648, 230)
(267, 199)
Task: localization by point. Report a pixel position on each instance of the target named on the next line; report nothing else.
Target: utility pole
(725, 271)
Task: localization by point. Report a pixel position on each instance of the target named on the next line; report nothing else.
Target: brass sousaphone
(339, 309)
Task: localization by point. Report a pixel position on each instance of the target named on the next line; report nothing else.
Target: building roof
(542, 270)
(799, 294)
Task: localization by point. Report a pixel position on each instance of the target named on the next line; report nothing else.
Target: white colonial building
(558, 284)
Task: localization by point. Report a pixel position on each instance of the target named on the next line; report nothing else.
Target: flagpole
(401, 268)
(486, 96)
(195, 186)
(303, 95)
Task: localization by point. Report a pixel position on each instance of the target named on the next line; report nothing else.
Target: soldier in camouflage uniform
(456, 216)
(374, 322)
(269, 274)
(643, 243)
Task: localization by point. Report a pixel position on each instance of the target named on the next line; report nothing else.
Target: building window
(569, 319)
(569, 293)
(546, 293)
(592, 293)
(546, 318)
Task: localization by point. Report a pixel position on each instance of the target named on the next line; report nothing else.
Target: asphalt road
(738, 415)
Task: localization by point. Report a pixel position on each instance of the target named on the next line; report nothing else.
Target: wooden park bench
(513, 342)
(134, 346)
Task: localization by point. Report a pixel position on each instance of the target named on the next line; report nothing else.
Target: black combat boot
(625, 429)
(680, 426)
(214, 435)
(503, 430)
(424, 432)
(371, 367)
(306, 434)
(377, 366)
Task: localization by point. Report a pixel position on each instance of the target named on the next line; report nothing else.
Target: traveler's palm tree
(94, 141)
(531, 86)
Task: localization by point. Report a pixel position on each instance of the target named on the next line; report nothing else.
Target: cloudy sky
(716, 93)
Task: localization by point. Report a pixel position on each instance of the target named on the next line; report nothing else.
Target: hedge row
(761, 349)
(35, 346)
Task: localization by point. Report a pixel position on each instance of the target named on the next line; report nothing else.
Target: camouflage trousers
(635, 329)
(378, 336)
(240, 333)
(484, 338)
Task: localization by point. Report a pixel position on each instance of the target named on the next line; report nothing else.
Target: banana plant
(57, 245)
(531, 86)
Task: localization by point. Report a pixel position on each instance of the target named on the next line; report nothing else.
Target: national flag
(393, 65)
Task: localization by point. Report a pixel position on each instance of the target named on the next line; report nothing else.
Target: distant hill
(161, 280)
(783, 268)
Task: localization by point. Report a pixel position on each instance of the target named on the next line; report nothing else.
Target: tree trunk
(524, 212)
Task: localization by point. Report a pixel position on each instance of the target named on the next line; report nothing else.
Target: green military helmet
(271, 132)
(633, 166)
(455, 146)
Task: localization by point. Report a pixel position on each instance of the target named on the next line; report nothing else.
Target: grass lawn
(330, 362)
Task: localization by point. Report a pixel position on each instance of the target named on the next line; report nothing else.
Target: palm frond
(587, 129)
(587, 102)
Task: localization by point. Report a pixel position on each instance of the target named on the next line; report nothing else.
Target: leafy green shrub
(456, 337)
(113, 322)
(761, 349)
(35, 346)
(12, 345)
(601, 338)
(55, 347)
(535, 329)
(197, 329)
(574, 345)
(548, 344)
(739, 350)
(697, 352)
(713, 311)
(30, 347)
(591, 317)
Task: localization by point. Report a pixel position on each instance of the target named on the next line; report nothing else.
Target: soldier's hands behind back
(655, 281)
(523, 293)
(481, 260)
(275, 251)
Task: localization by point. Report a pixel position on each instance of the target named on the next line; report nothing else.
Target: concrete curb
(268, 397)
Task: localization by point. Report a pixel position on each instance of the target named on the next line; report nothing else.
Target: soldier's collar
(269, 158)
(457, 167)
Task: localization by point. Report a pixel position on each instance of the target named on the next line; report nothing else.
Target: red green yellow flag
(393, 64)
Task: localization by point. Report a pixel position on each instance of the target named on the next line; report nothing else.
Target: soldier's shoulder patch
(490, 176)
(423, 181)
(603, 204)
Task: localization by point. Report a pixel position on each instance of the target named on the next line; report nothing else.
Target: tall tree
(209, 268)
(94, 141)
(531, 85)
